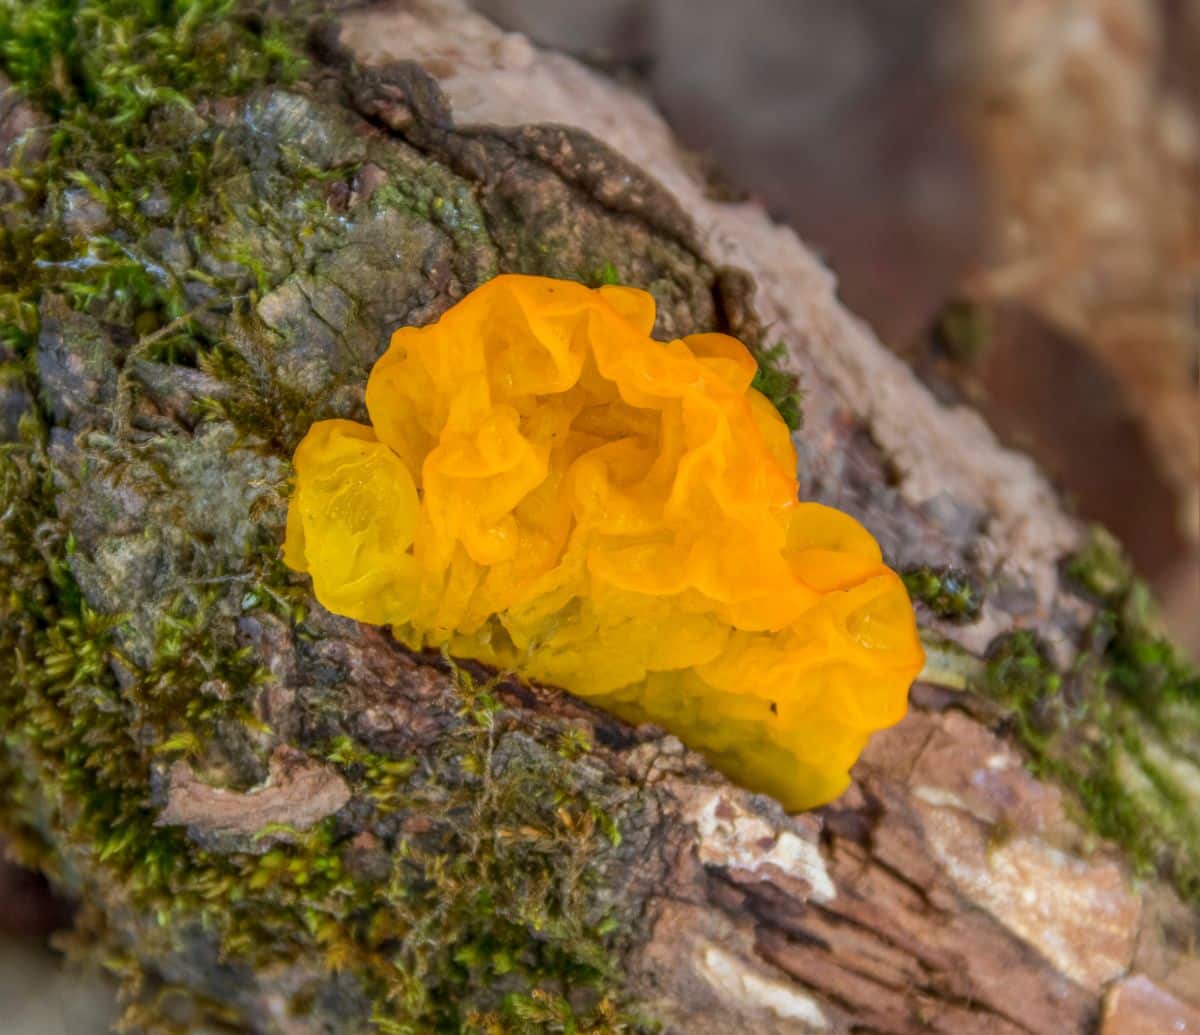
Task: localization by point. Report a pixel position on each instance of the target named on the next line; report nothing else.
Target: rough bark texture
(948, 890)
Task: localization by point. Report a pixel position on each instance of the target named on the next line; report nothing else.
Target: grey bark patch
(295, 129)
(76, 365)
(176, 391)
(83, 215)
(15, 402)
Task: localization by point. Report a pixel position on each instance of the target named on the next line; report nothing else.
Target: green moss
(123, 60)
(1101, 568)
(950, 593)
(1019, 671)
(779, 385)
(120, 81)
(497, 898)
(607, 274)
(1122, 728)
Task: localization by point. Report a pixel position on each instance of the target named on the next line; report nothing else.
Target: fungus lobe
(548, 490)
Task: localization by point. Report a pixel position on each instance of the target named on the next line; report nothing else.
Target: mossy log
(276, 820)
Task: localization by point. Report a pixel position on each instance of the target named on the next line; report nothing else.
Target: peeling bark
(297, 794)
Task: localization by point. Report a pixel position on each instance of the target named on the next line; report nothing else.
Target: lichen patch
(731, 836)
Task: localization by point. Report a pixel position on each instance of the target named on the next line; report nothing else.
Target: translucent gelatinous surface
(546, 489)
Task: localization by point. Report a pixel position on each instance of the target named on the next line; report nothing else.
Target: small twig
(216, 580)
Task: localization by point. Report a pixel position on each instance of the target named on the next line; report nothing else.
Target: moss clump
(779, 385)
(119, 81)
(124, 60)
(1122, 728)
(949, 593)
(1101, 568)
(605, 275)
(490, 919)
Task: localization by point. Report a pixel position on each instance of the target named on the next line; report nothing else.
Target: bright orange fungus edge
(548, 490)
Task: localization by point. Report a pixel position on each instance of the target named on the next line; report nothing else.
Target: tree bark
(948, 890)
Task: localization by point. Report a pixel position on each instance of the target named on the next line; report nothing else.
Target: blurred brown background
(1008, 190)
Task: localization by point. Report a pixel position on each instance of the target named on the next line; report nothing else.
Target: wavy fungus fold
(546, 489)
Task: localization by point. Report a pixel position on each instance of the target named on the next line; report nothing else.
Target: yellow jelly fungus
(548, 490)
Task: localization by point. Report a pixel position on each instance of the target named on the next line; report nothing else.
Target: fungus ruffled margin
(546, 489)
